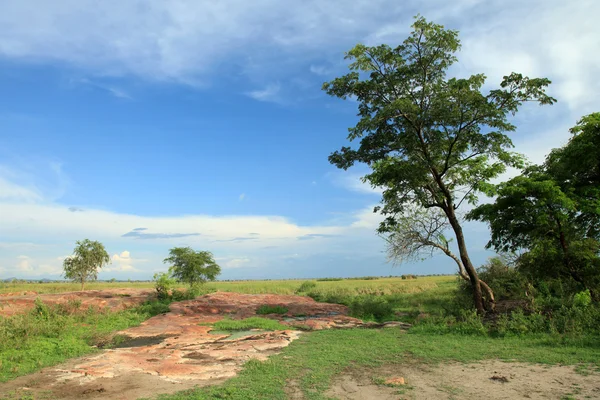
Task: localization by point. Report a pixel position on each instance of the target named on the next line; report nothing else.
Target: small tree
(87, 259)
(192, 267)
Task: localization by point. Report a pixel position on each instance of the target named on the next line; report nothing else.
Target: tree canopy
(87, 259)
(552, 212)
(431, 141)
(192, 267)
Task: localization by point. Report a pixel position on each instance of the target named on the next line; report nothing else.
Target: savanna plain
(438, 351)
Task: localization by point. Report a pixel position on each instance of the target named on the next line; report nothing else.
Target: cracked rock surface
(176, 350)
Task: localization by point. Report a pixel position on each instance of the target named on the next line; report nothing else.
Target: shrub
(306, 287)
(267, 309)
(371, 308)
(163, 284)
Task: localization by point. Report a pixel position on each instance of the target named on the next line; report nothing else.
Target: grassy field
(382, 286)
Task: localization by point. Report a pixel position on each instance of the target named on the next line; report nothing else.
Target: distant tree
(87, 259)
(431, 142)
(192, 267)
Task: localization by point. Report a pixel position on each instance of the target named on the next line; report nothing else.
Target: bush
(163, 284)
(371, 308)
(306, 287)
(505, 281)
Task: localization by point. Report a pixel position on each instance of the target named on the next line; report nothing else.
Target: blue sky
(203, 124)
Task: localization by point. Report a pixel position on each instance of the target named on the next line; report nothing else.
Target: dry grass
(383, 286)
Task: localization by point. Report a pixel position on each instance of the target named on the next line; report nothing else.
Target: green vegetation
(50, 334)
(315, 359)
(381, 286)
(87, 259)
(247, 324)
(192, 267)
(306, 287)
(267, 309)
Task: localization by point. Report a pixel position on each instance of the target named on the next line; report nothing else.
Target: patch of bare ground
(177, 350)
(490, 380)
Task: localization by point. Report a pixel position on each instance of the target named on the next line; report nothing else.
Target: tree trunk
(466, 261)
(491, 303)
(82, 285)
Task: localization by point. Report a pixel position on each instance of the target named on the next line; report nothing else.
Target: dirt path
(490, 379)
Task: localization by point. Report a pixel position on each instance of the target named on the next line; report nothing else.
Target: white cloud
(269, 93)
(242, 196)
(12, 192)
(239, 262)
(24, 265)
(122, 262)
(188, 40)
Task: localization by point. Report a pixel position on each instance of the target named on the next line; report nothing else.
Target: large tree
(431, 141)
(192, 267)
(87, 259)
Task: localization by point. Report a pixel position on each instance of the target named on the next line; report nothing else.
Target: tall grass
(49, 334)
(381, 286)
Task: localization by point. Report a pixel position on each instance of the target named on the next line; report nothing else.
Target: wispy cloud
(113, 90)
(269, 94)
(137, 234)
(242, 196)
(352, 181)
(311, 236)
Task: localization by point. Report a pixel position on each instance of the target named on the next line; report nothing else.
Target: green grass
(267, 309)
(317, 357)
(49, 335)
(381, 286)
(247, 324)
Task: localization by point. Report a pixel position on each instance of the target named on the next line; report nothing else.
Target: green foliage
(248, 323)
(582, 299)
(87, 259)
(306, 287)
(329, 279)
(163, 284)
(505, 280)
(372, 308)
(192, 267)
(427, 137)
(268, 309)
(553, 212)
(50, 334)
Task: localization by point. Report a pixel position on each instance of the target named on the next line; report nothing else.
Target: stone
(399, 380)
